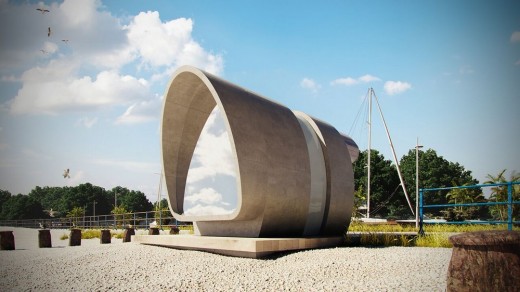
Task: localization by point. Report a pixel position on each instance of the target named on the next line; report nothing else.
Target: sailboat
(372, 95)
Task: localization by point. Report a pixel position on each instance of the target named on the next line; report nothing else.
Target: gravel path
(133, 267)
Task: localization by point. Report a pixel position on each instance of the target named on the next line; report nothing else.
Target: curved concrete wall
(294, 173)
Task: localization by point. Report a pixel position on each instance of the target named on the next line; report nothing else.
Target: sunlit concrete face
(294, 173)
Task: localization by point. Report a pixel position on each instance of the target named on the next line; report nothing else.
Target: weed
(64, 236)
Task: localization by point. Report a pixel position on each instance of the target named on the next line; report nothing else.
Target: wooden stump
(75, 237)
(44, 238)
(485, 261)
(153, 231)
(127, 234)
(6, 240)
(174, 230)
(106, 237)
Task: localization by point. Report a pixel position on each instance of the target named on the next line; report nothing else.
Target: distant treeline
(46, 202)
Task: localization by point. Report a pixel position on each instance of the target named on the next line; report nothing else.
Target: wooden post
(106, 237)
(174, 230)
(153, 231)
(44, 238)
(485, 261)
(127, 234)
(6, 240)
(75, 237)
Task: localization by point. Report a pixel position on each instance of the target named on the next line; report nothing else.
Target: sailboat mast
(369, 147)
(394, 155)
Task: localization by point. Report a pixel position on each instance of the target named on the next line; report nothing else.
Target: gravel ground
(133, 267)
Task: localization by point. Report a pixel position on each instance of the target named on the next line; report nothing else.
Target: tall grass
(437, 235)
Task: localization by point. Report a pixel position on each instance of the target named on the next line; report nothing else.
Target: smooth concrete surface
(281, 192)
(238, 246)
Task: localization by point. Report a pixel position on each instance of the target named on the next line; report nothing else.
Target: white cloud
(51, 90)
(169, 43)
(515, 37)
(142, 111)
(396, 87)
(310, 84)
(206, 196)
(349, 81)
(87, 122)
(199, 210)
(213, 155)
(84, 73)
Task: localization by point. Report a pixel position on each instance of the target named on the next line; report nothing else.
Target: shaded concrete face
(294, 173)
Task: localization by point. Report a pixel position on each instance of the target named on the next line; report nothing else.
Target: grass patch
(64, 236)
(437, 235)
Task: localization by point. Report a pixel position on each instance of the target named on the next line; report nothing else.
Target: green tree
(76, 214)
(134, 201)
(22, 207)
(434, 172)
(385, 196)
(4, 197)
(121, 215)
(164, 213)
(500, 194)
(460, 196)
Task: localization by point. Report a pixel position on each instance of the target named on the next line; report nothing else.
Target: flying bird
(66, 173)
(44, 51)
(65, 41)
(43, 11)
(49, 31)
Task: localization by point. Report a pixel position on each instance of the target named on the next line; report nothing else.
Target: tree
(460, 196)
(121, 215)
(133, 201)
(500, 194)
(164, 213)
(4, 197)
(385, 197)
(76, 213)
(22, 207)
(434, 172)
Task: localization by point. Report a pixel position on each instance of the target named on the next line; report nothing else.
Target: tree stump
(106, 237)
(44, 238)
(153, 231)
(174, 230)
(6, 240)
(127, 234)
(485, 261)
(75, 237)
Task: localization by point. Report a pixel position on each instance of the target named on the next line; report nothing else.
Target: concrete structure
(294, 172)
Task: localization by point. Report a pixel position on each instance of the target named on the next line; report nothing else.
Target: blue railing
(509, 204)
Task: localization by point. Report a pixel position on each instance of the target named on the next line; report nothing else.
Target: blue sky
(447, 72)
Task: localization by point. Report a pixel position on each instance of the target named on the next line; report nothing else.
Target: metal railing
(137, 220)
(509, 204)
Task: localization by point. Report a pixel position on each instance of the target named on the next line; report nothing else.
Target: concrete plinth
(238, 246)
(153, 231)
(75, 237)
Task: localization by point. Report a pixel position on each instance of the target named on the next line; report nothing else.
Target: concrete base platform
(238, 246)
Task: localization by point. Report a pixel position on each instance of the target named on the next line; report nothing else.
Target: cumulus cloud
(85, 72)
(212, 155)
(206, 196)
(349, 81)
(148, 35)
(515, 37)
(51, 90)
(142, 111)
(310, 84)
(199, 209)
(396, 87)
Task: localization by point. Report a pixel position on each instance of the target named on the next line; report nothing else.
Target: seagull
(66, 173)
(43, 11)
(65, 41)
(49, 31)
(44, 51)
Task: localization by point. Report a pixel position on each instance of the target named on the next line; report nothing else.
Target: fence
(509, 204)
(137, 220)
